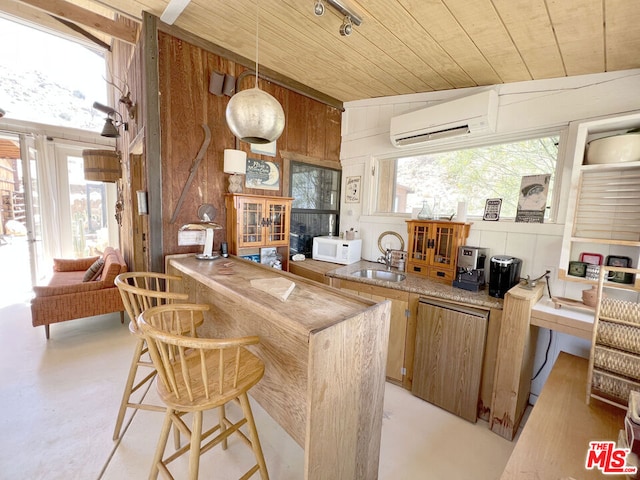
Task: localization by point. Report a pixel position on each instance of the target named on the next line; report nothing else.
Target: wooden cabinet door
(442, 259)
(250, 219)
(449, 350)
(419, 250)
(277, 223)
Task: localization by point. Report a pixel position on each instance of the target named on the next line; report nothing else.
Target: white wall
(524, 107)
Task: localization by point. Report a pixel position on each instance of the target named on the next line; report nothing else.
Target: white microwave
(336, 250)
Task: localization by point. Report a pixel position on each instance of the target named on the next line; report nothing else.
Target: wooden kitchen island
(324, 353)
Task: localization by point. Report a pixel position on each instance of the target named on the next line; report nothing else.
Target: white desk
(571, 320)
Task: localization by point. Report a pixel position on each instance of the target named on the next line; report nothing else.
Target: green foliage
(476, 174)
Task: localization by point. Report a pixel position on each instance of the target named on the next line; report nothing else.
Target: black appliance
(504, 273)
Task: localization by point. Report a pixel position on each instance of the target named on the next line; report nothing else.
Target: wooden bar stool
(139, 291)
(198, 374)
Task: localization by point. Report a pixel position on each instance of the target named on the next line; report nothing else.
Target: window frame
(309, 211)
(556, 211)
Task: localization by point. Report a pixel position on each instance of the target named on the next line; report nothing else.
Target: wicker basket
(620, 310)
(616, 361)
(613, 387)
(617, 335)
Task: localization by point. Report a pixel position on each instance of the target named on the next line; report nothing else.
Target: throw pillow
(94, 271)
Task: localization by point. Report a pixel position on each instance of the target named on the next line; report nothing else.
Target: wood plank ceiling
(405, 46)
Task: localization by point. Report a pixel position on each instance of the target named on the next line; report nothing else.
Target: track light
(111, 123)
(347, 27)
(351, 17)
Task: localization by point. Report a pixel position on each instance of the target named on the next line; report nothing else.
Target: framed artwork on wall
(262, 175)
(352, 194)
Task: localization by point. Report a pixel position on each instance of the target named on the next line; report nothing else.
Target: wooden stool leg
(223, 426)
(162, 443)
(196, 440)
(133, 369)
(253, 435)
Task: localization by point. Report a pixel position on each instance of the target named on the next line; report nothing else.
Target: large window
(472, 175)
(316, 204)
(48, 79)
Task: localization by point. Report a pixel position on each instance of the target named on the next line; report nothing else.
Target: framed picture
(262, 175)
(492, 209)
(533, 198)
(352, 194)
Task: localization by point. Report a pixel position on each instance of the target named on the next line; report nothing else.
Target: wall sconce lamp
(235, 163)
(113, 121)
(208, 227)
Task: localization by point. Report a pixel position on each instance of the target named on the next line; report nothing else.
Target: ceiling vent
(475, 114)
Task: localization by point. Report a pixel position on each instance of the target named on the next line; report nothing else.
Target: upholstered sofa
(79, 288)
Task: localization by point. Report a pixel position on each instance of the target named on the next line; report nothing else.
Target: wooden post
(514, 364)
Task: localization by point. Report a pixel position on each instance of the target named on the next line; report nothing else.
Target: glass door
(33, 217)
(87, 208)
(278, 222)
(252, 218)
(420, 243)
(444, 253)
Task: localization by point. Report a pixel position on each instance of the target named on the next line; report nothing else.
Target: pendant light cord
(257, 36)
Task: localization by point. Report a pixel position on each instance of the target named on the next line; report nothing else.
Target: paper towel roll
(462, 212)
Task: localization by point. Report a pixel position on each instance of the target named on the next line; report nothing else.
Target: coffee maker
(504, 273)
(470, 268)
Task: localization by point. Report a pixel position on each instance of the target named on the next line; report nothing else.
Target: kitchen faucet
(386, 259)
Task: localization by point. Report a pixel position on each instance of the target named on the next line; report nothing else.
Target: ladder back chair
(199, 374)
(140, 291)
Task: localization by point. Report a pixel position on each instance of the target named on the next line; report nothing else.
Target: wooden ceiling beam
(73, 13)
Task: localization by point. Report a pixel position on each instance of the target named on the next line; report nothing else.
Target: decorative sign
(533, 198)
(353, 190)
(262, 175)
(492, 209)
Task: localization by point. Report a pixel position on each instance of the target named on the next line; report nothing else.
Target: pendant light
(253, 115)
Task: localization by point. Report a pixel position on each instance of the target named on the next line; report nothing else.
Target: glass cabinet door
(420, 245)
(252, 216)
(278, 222)
(444, 243)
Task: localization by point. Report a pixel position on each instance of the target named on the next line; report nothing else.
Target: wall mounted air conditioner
(470, 115)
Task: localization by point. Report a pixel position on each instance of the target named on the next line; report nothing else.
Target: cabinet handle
(266, 222)
(431, 243)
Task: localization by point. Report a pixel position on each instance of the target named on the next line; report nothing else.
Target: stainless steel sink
(379, 275)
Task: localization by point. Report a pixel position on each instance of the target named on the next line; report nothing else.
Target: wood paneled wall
(312, 133)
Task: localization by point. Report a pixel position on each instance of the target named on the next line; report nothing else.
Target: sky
(32, 59)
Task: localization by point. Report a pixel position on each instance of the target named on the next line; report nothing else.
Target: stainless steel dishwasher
(447, 369)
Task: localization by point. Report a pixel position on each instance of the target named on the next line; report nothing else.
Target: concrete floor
(60, 397)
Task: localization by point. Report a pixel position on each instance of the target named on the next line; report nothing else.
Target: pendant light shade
(254, 116)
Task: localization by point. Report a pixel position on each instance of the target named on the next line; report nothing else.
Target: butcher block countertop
(416, 284)
(327, 307)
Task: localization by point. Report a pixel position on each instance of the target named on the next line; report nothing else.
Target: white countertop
(566, 319)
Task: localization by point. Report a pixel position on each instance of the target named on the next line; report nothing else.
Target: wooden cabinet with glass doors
(256, 223)
(433, 248)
